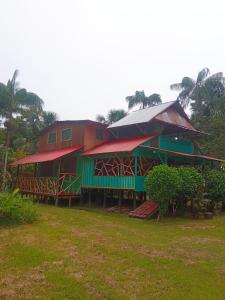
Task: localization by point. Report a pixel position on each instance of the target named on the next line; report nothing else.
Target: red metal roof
(145, 210)
(125, 145)
(45, 156)
(184, 154)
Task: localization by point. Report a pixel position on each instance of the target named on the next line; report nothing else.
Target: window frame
(66, 140)
(55, 141)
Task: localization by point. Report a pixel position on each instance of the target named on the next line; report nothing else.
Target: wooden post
(57, 191)
(89, 198)
(120, 200)
(134, 200)
(104, 198)
(81, 198)
(70, 199)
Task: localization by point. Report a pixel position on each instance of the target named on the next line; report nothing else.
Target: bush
(15, 209)
(192, 182)
(163, 184)
(215, 185)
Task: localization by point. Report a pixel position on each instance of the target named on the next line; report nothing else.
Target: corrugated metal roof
(142, 115)
(45, 156)
(183, 153)
(126, 145)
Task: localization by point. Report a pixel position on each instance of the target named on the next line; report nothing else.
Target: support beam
(89, 198)
(104, 198)
(120, 200)
(70, 200)
(134, 199)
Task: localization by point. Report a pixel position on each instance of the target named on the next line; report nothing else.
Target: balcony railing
(64, 185)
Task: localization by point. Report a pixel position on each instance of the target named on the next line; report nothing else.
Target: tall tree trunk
(4, 177)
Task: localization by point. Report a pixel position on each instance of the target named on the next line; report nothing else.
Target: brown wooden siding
(82, 134)
(90, 139)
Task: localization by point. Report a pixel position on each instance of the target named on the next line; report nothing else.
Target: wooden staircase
(145, 210)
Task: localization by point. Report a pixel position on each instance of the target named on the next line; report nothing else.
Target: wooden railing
(66, 184)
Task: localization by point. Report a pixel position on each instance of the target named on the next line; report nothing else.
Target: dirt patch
(20, 285)
(201, 240)
(196, 227)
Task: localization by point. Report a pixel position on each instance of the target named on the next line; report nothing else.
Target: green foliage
(15, 209)
(163, 184)
(139, 98)
(113, 116)
(215, 183)
(192, 182)
(202, 91)
(214, 142)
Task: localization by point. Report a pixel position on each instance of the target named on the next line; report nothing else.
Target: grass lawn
(78, 254)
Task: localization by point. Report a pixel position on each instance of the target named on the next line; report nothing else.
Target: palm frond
(176, 86)
(202, 75)
(153, 100)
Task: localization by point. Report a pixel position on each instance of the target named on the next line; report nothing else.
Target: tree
(13, 103)
(100, 118)
(139, 98)
(213, 142)
(113, 116)
(201, 91)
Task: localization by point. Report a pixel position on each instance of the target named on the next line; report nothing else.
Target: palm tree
(200, 89)
(100, 118)
(140, 98)
(13, 102)
(48, 118)
(115, 115)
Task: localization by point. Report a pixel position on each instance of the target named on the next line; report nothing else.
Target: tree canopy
(139, 98)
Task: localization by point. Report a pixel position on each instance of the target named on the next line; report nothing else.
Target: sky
(83, 57)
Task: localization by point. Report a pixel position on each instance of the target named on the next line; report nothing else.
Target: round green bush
(192, 182)
(215, 185)
(163, 184)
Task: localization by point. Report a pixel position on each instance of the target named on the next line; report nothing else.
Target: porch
(49, 175)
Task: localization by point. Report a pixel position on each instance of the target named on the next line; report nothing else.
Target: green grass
(78, 254)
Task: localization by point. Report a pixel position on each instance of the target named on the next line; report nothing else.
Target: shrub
(215, 185)
(192, 182)
(15, 209)
(163, 184)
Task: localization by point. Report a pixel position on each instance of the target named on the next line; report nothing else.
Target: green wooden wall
(171, 143)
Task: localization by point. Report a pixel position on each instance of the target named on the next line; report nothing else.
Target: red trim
(45, 156)
(183, 153)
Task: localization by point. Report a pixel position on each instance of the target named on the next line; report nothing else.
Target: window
(99, 133)
(52, 138)
(66, 134)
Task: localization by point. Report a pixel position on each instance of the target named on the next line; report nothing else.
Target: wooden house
(77, 157)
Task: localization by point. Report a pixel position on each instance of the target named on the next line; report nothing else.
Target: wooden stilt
(81, 198)
(56, 201)
(70, 199)
(120, 200)
(104, 198)
(89, 199)
(134, 200)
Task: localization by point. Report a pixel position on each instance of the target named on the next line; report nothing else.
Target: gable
(172, 116)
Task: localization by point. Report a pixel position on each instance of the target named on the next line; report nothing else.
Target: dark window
(51, 137)
(68, 165)
(66, 134)
(99, 133)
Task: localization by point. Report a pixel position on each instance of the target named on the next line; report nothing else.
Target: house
(77, 158)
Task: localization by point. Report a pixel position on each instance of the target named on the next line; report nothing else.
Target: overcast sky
(83, 57)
